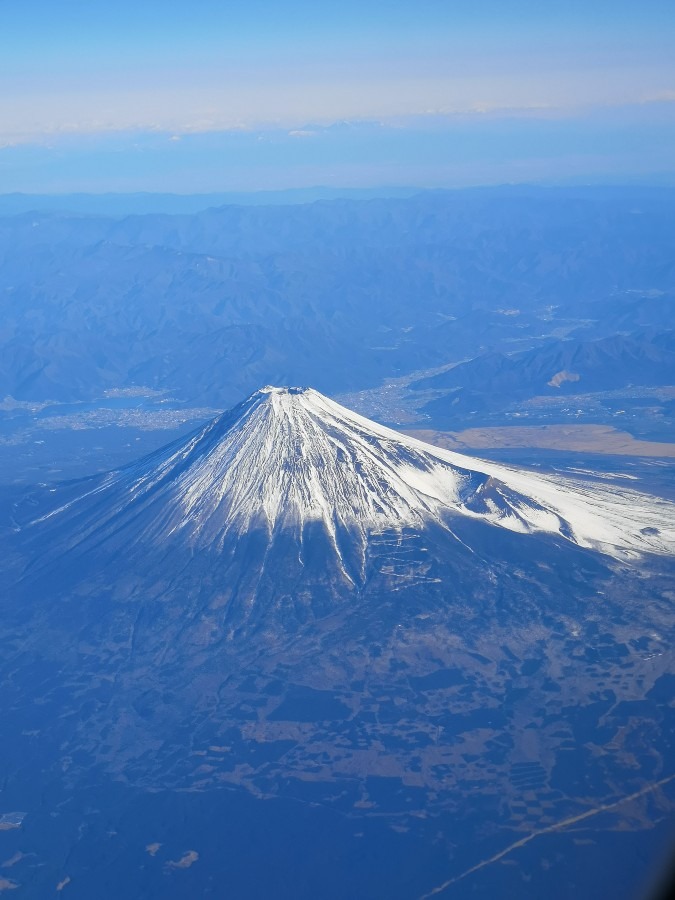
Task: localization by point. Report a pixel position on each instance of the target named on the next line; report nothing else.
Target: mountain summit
(287, 459)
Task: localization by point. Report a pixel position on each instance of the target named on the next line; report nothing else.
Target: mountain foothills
(296, 602)
(557, 292)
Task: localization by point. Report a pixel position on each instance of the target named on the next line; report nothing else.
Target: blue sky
(217, 95)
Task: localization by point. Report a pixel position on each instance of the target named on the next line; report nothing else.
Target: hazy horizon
(207, 98)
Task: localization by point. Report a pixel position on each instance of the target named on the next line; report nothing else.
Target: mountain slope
(494, 381)
(301, 603)
(290, 457)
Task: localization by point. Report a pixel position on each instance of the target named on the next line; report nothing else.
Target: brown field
(584, 438)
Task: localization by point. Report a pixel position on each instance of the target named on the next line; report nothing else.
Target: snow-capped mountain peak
(287, 457)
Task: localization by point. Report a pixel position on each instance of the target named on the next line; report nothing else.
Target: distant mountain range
(494, 381)
(140, 203)
(341, 293)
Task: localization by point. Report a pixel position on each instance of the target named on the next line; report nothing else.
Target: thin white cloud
(667, 96)
(34, 115)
